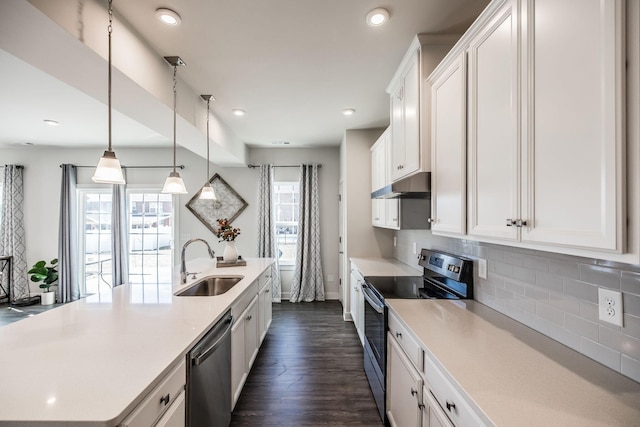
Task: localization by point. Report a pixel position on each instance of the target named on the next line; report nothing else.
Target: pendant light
(174, 183)
(108, 170)
(207, 193)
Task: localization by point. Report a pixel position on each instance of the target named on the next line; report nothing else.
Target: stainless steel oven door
(375, 325)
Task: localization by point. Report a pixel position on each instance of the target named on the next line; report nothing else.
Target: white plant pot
(48, 298)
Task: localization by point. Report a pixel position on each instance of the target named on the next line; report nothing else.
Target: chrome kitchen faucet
(183, 266)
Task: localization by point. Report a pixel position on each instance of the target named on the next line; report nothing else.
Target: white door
(573, 135)
(493, 181)
(448, 156)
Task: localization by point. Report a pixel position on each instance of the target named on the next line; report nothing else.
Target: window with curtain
(150, 242)
(286, 199)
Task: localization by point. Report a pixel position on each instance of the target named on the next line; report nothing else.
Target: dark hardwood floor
(308, 372)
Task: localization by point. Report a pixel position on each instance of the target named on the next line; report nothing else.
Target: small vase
(230, 253)
(48, 298)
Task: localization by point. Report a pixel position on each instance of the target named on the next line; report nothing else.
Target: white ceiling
(292, 65)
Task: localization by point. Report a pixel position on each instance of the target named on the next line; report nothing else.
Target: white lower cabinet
(164, 404)
(357, 302)
(265, 309)
(432, 413)
(244, 347)
(251, 320)
(404, 388)
(175, 415)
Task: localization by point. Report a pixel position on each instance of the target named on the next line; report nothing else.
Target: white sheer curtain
(267, 245)
(12, 237)
(308, 283)
(68, 264)
(119, 233)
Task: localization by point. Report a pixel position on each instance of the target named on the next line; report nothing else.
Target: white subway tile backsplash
(550, 313)
(618, 341)
(600, 353)
(601, 276)
(581, 290)
(630, 282)
(581, 326)
(554, 294)
(566, 303)
(564, 268)
(631, 367)
(549, 281)
(568, 338)
(631, 325)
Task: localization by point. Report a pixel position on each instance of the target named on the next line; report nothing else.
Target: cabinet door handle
(421, 406)
(249, 318)
(511, 222)
(165, 399)
(267, 291)
(414, 391)
(398, 335)
(450, 406)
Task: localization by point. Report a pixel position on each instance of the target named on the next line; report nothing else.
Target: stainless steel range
(445, 276)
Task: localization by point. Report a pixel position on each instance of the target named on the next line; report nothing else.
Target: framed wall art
(229, 204)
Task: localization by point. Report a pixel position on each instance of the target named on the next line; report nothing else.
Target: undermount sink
(210, 286)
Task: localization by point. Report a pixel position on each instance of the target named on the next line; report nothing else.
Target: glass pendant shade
(174, 184)
(207, 193)
(108, 170)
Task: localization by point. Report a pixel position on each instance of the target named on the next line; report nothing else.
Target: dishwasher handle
(197, 360)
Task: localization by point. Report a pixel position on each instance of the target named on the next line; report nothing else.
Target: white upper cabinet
(546, 136)
(493, 138)
(385, 212)
(410, 101)
(448, 148)
(573, 123)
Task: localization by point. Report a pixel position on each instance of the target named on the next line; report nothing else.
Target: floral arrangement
(225, 231)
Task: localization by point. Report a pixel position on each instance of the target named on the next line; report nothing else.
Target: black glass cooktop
(402, 287)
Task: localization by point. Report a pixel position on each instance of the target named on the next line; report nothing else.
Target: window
(150, 243)
(286, 198)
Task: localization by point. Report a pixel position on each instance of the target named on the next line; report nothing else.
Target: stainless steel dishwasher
(209, 377)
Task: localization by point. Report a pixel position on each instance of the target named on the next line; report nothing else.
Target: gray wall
(554, 294)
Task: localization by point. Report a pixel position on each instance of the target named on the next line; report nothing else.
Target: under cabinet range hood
(416, 186)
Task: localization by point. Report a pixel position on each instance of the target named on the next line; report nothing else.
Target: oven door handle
(371, 300)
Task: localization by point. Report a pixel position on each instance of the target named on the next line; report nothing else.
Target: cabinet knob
(450, 406)
(398, 335)
(165, 399)
(511, 222)
(421, 406)
(414, 392)
(249, 318)
(267, 291)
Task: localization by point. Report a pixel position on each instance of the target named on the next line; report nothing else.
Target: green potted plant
(48, 275)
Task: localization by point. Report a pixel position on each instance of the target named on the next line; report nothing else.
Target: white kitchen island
(90, 362)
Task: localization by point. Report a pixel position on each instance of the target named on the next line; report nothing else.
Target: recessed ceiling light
(348, 111)
(51, 122)
(238, 112)
(168, 16)
(377, 17)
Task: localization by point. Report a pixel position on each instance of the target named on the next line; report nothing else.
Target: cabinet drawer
(157, 401)
(406, 340)
(451, 402)
(264, 278)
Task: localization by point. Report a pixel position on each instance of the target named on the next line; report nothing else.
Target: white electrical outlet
(610, 306)
(482, 268)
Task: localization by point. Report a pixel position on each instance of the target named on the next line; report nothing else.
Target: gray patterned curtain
(119, 233)
(68, 264)
(12, 239)
(308, 284)
(267, 245)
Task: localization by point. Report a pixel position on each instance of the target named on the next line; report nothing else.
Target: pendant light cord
(208, 103)
(175, 67)
(110, 29)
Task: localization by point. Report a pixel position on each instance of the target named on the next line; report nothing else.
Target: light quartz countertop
(515, 375)
(90, 362)
(385, 267)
